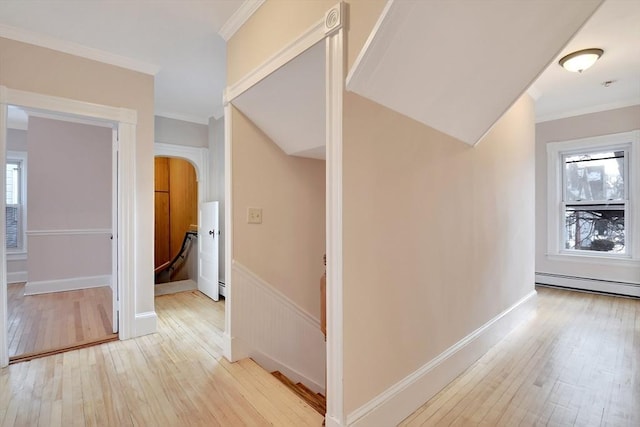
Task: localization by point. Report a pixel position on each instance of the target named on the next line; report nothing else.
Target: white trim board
(62, 285)
(588, 110)
(591, 285)
(17, 277)
(69, 232)
(197, 156)
(403, 398)
(309, 38)
(145, 323)
(228, 349)
(330, 29)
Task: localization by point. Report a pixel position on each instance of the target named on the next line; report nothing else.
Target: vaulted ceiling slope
(289, 105)
(457, 66)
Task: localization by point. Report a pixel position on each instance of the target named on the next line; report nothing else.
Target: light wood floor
(49, 322)
(176, 377)
(576, 363)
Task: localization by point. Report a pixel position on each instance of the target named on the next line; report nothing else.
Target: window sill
(594, 259)
(16, 256)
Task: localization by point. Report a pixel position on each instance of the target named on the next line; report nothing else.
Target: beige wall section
(286, 249)
(274, 25)
(36, 69)
(438, 238)
(278, 22)
(588, 125)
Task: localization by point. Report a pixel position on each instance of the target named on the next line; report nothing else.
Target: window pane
(595, 228)
(594, 176)
(13, 226)
(12, 184)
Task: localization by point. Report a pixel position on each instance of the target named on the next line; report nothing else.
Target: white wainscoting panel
(403, 398)
(277, 333)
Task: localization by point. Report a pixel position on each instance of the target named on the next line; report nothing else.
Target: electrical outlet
(254, 215)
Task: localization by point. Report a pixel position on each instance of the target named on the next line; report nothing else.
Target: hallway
(174, 377)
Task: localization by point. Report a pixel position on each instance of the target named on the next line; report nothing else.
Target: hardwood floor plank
(49, 322)
(176, 377)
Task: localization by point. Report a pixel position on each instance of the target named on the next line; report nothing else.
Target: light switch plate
(254, 215)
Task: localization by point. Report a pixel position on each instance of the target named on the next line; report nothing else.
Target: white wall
(179, 132)
(69, 197)
(16, 140)
(588, 125)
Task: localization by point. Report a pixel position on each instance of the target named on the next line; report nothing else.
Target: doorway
(328, 31)
(207, 277)
(59, 222)
(176, 223)
(122, 123)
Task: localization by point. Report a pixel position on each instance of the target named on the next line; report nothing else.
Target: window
(591, 202)
(594, 201)
(15, 192)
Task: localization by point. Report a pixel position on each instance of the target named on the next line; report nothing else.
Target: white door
(114, 233)
(208, 237)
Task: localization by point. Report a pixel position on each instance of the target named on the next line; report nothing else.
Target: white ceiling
(457, 66)
(614, 27)
(289, 104)
(180, 39)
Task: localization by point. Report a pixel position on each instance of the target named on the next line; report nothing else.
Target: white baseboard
(407, 395)
(593, 285)
(271, 365)
(145, 323)
(277, 333)
(61, 285)
(17, 277)
(235, 349)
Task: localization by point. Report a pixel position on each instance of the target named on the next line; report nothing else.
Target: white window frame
(630, 143)
(21, 251)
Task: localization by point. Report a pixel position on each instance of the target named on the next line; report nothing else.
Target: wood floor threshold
(37, 354)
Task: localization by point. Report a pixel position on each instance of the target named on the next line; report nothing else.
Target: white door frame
(124, 121)
(330, 29)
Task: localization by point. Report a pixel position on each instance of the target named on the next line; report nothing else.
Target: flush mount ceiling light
(579, 61)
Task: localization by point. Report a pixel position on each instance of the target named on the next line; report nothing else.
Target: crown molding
(76, 49)
(239, 17)
(588, 110)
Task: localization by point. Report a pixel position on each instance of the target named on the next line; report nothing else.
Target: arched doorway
(176, 220)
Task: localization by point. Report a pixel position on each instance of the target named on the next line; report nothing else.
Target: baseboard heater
(589, 284)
